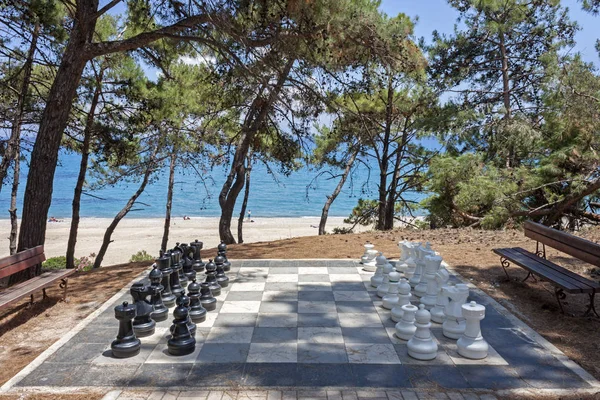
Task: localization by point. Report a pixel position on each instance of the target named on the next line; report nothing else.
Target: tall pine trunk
(113, 225)
(337, 190)
(83, 165)
(510, 156)
(384, 159)
(255, 118)
(38, 192)
(246, 195)
(14, 224)
(165, 238)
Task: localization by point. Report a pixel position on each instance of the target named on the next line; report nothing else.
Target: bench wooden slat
(22, 265)
(578, 278)
(21, 256)
(23, 289)
(539, 269)
(582, 249)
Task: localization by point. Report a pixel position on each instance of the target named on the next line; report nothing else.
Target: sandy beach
(135, 234)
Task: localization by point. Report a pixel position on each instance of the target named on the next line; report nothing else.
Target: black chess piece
(222, 279)
(222, 251)
(211, 278)
(197, 312)
(164, 263)
(161, 312)
(181, 342)
(187, 262)
(185, 301)
(126, 344)
(143, 324)
(176, 254)
(206, 297)
(176, 288)
(198, 265)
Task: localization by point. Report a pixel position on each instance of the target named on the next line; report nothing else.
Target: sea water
(272, 194)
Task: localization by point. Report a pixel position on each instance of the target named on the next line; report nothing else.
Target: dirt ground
(27, 330)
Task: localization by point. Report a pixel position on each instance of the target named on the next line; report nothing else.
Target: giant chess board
(313, 323)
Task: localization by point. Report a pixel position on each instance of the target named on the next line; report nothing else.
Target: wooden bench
(564, 281)
(25, 260)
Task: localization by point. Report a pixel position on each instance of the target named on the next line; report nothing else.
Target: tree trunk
(165, 238)
(12, 145)
(510, 159)
(384, 161)
(235, 180)
(113, 225)
(38, 192)
(14, 225)
(85, 153)
(246, 195)
(337, 190)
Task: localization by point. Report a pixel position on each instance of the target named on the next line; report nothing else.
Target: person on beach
(249, 215)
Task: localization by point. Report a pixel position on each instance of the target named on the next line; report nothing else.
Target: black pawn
(161, 312)
(198, 265)
(197, 312)
(126, 344)
(188, 262)
(206, 298)
(222, 279)
(164, 263)
(181, 341)
(143, 324)
(176, 259)
(222, 251)
(185, 302)
(211, 278)
(176, 288)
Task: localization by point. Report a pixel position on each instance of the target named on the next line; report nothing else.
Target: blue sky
(438, 15)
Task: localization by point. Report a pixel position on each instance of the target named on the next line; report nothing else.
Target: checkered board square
(278, 312)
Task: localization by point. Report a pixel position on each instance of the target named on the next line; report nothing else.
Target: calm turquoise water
(283, 197)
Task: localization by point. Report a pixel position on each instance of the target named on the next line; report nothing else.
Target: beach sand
(135, 234)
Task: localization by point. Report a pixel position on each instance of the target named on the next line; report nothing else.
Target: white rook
(432, 265)
(471, 344)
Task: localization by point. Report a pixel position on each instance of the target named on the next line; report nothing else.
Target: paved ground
(303, 324)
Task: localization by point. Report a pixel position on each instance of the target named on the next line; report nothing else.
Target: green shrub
(59, 262)
(141, 255)
(342, 231)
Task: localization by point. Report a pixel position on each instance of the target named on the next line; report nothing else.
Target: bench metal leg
(44, 295)
(529, 274)
(64, 283)
(560, 295)
(31, 298)
(505, 264)
(591, 306)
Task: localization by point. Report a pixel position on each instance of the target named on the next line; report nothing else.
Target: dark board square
(323, 320)
(270, 374)
(318, 375)
(430, 376)
(348, 286)
(275, 335)
(78, 353)
(234, 319)
(355, 307)
(379, 375)
(215, 375)
(279, 307)
(223, 353)
(493, 377)
(549, 377)
(51, 374)
(322, 353)
(317, 295)
(161, 375)
(365, 335)
(282, 264)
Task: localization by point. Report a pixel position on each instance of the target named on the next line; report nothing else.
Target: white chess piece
(441, 301)
(377, 278)
(454, 323)
(432, 265)
(422, 346)
(406, 258)
(391, 298)
(471, 344)
(404, 254)
(405, 329)
(416, 278)
(368, 258)
(403, 299)
(420, 289)
(384, 287)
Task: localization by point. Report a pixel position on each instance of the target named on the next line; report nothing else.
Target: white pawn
(422, 346)
(403, 299)
(432, 265)
(368, 258)
(392, 298)
(377, 278)
(405, 329)
(384, 287)
(454, 324)
(471, 344)
(437, 312)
